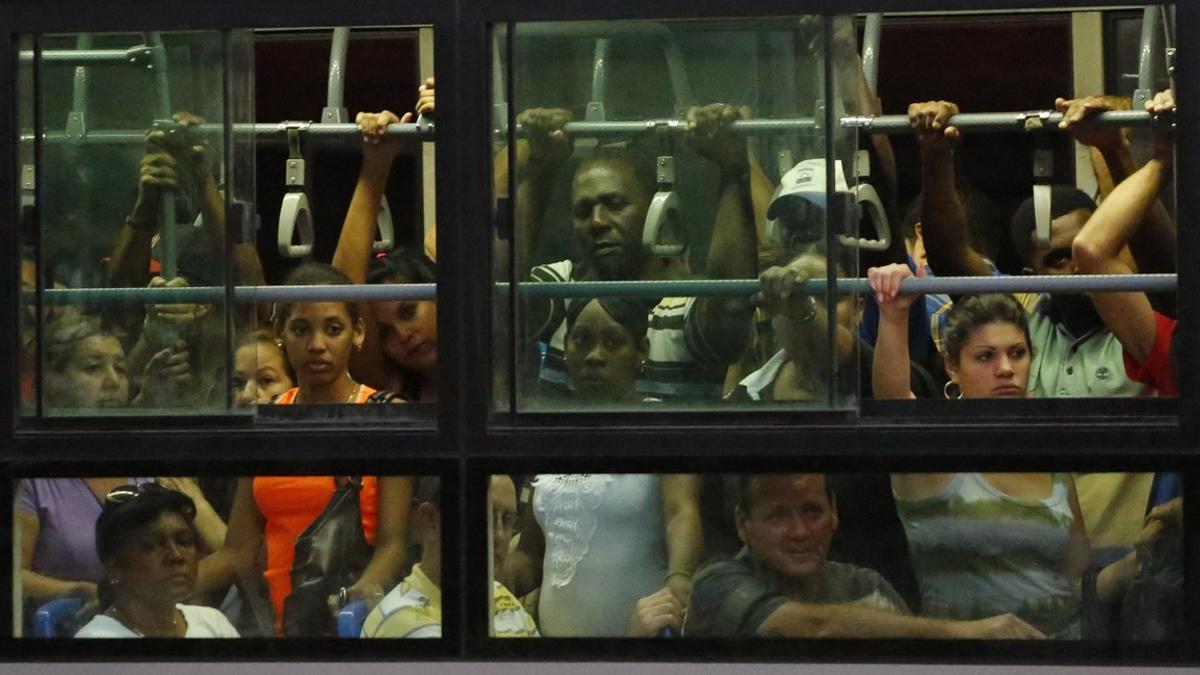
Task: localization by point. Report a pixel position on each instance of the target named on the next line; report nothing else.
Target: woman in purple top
(57, 517)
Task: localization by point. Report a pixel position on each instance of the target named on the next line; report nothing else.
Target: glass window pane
(130, 178)
(651, 152)
(949, 556)
(222, 557)
(136, 316)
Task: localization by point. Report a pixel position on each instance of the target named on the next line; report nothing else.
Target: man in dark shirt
(782, 585)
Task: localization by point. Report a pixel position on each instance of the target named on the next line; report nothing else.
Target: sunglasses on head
(124, 493)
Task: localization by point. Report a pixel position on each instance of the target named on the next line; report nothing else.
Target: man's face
(609, 211)
(504, 515)
(790, 524)
(1056, 258)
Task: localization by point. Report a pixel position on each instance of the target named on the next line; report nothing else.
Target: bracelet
(677, 573)
(808, 316)
(139, 226)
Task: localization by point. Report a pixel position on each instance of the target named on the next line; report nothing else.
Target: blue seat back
(47, 617)
(350, 619)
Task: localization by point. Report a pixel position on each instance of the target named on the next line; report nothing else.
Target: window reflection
(949, 556)
(612, 184)
(192, 203)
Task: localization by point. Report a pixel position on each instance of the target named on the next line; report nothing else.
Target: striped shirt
(978, 552)
(681, 364)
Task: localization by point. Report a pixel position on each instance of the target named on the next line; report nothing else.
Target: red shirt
(1156, 370)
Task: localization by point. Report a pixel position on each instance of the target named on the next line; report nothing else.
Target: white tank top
(605, 549)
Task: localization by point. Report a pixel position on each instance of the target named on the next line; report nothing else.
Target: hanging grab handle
(663, 215)
(386, 240)
(870, 205)
(294, 214)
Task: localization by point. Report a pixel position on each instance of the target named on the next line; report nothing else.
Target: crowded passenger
(606, 348)
(318, 338)
(275, 511)
(177, 161)
(691, 340)
(1146, 336)
(400, 347)
(1074, 355)
(146, 539)
(413, 609)
(261, 369)
(609, 554)
(802, 370)
(782, 585)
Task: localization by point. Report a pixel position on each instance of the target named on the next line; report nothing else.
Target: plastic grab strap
(293, 210)
(866, 196)
(387, 234)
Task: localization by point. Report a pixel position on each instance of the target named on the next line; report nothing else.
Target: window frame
(469, 443)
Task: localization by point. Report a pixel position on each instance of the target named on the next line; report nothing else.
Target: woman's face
(95, 376)
(318, 337)
(159, 561)
(408, 333)
(261, 373)
(603, 359)
(993, 363)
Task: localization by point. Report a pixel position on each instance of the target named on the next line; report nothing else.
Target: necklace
(117, 614)
(349, 399)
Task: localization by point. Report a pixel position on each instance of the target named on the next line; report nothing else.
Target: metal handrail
(880, 124)
(1079, 283)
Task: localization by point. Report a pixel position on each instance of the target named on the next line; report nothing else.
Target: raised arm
(353, 252)
(1112, 159)
(540, 154)
(1098, 245)
(733, 249)
(890, 372)
(800, 320)
(943, 219)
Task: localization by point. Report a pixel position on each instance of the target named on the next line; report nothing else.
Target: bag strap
(383, 396)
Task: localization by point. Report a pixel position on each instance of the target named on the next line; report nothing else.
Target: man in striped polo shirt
(691, 340)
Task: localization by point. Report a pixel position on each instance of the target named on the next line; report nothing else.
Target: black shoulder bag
(331, 553)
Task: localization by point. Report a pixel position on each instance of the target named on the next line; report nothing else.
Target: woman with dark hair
(318, 338)
(613, 554)
(400, 349)
(606, 348)
(149, 547)
(986, 543)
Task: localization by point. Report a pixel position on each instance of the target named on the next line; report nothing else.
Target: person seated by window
(261, 368)
(56, 517)
(692, 340)
(318, 338)
(782, 585)
(148, 544)
(400, 347)
(612, 554)
(413, 609)
(987, 543)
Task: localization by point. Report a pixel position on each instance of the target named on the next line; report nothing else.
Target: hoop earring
(951, 390)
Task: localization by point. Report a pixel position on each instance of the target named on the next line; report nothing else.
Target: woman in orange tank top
(318, 338)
